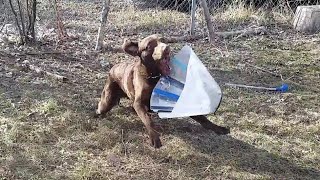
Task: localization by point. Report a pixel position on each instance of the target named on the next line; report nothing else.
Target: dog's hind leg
(110, 96)
(209, 125)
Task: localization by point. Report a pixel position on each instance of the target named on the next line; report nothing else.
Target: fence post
(193, 13)
(103, 21)
(208, 20)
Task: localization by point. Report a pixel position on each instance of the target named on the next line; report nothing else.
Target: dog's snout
(161, 51)
(164, 48)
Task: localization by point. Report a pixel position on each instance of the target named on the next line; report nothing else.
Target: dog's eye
(149, 47)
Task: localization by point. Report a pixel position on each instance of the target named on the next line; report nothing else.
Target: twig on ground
(40, 53)
(46, 52)
(116, 49)
(187, 38)
(304, 86)
(284, 80)
(221, 53)
(242, 33)
(40, 71)
(124, 145)
(259, 68)
(2, 27)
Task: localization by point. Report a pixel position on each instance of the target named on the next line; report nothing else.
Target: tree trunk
(17, 22)
(61, 31)
(31, 11)
(21, 13)
(25, 17)
(208, 19)
(33, 19)
(307, 19)
(104, 15)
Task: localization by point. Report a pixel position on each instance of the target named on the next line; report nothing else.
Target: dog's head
(152, 52)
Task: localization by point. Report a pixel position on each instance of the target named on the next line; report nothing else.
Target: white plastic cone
(200, 95)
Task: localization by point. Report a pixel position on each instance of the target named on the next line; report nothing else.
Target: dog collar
(154, 77)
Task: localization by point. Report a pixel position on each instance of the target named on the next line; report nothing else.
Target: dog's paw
(221, 130)
(155, 140)
(97, 114)
(156, 143)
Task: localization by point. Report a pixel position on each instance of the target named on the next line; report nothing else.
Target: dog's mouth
(165, 66)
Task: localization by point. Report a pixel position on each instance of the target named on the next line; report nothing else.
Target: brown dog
(136, 81)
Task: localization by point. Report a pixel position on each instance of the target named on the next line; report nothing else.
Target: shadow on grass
(211, 149)
(227, 151)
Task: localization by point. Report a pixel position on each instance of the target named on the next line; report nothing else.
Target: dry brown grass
(47, 130)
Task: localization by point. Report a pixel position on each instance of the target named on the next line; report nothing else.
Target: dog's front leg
(141, 110)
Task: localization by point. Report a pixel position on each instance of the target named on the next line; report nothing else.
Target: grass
(236, 13)
(148, 20)
(47, 130)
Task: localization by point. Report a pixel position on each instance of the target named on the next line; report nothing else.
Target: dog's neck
(152, 70)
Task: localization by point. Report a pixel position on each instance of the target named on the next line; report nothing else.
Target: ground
(47, 130)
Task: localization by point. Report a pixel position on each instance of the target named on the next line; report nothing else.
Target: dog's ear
(130, 47)
(149, 42)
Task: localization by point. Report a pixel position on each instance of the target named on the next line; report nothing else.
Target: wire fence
(181, 17)
(168, 17)
(185, 5)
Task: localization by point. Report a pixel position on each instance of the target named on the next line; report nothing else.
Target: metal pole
(207, 17)
(193, 13)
